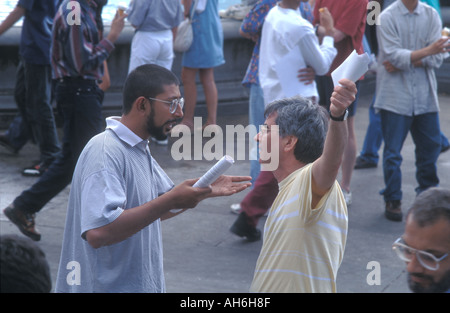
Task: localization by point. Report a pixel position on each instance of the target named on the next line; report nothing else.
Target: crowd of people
(119, 194)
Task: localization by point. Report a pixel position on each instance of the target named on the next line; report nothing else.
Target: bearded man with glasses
(425, 244)
(119, 194)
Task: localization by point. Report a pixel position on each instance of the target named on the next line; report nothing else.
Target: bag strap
(193, 11)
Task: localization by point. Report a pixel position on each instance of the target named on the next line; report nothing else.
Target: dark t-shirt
(37, 30)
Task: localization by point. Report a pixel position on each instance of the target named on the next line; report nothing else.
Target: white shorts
(152, 48)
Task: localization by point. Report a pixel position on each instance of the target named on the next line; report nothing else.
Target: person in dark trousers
(35, 120)
(78, 56)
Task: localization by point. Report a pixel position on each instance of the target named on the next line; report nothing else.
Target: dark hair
(430, 206)
(305, 120)
(147, 80)
(23, 266)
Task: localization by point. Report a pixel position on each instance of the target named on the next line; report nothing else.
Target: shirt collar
(404, 10)
(124, 133)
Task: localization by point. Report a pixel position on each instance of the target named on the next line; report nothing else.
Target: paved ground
(201, 255)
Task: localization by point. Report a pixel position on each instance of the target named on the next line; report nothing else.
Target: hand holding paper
(352, 68)
(212, 174)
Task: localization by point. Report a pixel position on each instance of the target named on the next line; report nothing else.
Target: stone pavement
(202, 256)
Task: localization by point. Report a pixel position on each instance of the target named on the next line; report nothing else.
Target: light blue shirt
(155, 15)
(412, 90)
(115, 172)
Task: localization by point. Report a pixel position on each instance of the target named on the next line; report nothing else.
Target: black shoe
(5, 143)
(242, 229)
(393, 211)
(24, 221)
(35, 170)
(362, 163)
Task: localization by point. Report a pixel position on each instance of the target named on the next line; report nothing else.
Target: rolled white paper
(213, 174)
(355, 66)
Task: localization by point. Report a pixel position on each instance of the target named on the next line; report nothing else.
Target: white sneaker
(235, 208)
(347, 197)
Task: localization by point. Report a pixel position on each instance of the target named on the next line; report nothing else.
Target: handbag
(185, 34)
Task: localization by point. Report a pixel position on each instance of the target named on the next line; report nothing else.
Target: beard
(158, 132)
(434, 287)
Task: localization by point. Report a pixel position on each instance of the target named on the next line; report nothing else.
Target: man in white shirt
(285, 30)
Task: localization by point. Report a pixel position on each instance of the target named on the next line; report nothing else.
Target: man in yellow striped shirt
(306, 229)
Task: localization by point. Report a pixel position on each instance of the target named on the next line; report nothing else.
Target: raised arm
(325, 169)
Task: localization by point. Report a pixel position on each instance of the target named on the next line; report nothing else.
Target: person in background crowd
(406, 94)
(205, 53)
(33, 88)
(368, 157)
(349, 27)
(77, 67)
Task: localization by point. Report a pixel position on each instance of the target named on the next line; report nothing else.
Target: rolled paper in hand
(213, 174)
(355, 66)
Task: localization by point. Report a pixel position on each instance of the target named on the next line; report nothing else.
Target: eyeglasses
(264, 129)
(173, 105)
(426, 259)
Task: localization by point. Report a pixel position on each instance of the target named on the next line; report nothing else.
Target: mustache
(420, 275)
(176, 120)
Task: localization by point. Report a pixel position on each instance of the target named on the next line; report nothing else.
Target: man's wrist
(329, 32)
(338, 116)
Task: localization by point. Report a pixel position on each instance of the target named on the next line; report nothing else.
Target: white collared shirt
(283, 30)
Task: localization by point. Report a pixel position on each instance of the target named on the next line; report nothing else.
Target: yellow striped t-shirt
(303, 247)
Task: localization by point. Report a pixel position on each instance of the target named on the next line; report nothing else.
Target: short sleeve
(164, 183)
(103, 198)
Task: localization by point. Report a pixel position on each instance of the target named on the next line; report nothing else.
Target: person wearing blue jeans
(372, 141)
(406, 95)
(368, 157)
(425, 133)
